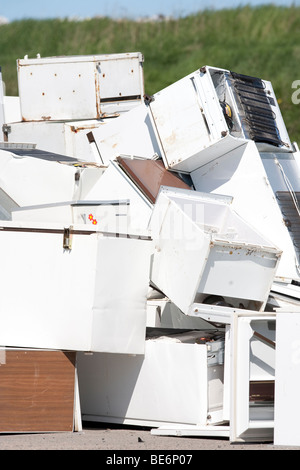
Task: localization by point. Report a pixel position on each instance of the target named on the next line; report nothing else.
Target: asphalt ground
(113, 441)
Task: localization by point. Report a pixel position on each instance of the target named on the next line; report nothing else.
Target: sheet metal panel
(150, 175)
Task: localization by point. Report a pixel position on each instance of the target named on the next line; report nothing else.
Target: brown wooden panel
(36, 390)
(150, 175)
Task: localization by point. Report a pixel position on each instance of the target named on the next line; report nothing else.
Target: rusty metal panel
(36, 390)
(150, 175)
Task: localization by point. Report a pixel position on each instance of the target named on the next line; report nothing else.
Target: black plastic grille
(259, 117)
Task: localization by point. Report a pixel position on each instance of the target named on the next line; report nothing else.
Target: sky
(37, 9)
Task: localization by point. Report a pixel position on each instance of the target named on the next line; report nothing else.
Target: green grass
(262, 41)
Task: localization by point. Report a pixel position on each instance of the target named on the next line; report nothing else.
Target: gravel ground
(120, 438)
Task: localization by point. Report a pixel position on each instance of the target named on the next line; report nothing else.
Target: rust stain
(82, 128)
(97, 89)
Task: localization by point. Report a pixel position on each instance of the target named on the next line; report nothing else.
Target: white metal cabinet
(79, 87)
(203, 248)
(249, 356)
(151, 390)
(72, 289)
(187, 124)
(193, 127)
(176, 381)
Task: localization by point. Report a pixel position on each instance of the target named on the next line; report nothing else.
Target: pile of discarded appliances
(149, 253)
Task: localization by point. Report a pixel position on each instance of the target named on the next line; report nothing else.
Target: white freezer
(79, 87)
(63, 99)
(212, 112)
(177, 380)
(190, 383)
(248, 378)
(205, 251)
(73, 288)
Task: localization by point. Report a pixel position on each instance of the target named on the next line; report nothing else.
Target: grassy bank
(262, 41)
